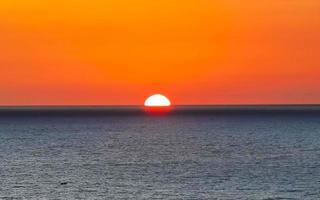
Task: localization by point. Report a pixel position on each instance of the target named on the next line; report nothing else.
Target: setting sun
(157, 100)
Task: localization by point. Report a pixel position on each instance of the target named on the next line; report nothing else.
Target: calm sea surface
(240, 155)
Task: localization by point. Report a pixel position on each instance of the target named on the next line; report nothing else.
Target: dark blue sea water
(191, 155)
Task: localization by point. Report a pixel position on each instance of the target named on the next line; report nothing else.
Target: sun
(157, 100)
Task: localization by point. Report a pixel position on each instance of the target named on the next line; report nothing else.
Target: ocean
(193, 152)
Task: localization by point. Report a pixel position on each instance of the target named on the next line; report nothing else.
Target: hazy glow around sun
(157, 100)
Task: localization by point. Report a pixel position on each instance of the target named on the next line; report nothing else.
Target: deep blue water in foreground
(231, 155)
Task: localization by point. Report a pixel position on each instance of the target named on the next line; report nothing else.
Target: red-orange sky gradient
(115, 52)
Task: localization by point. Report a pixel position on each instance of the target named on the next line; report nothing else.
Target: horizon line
(174, 105)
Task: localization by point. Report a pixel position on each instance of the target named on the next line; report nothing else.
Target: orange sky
(195, 51)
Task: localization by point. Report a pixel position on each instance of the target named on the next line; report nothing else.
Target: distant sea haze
(137, 110)
(192, 152)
